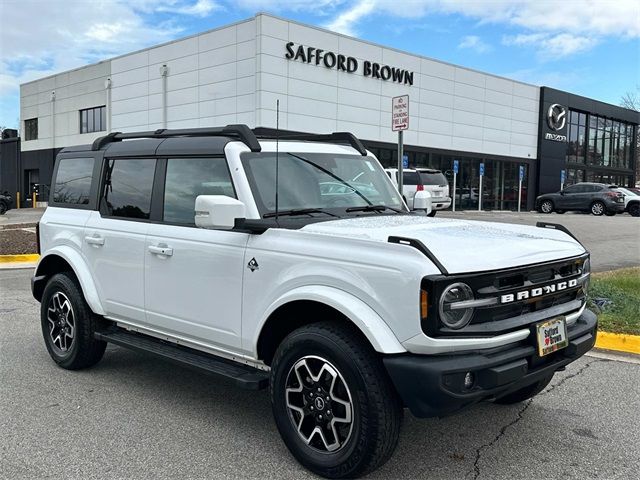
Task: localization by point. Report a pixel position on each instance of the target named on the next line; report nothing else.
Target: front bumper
(432, 385)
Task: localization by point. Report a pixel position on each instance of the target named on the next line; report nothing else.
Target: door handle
(161, 250)
(98, 241)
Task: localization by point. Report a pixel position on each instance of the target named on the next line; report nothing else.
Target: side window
(410, 178)
(127, 187)
(596, 188)
(573, 189)
(189, 177)
(72, 184)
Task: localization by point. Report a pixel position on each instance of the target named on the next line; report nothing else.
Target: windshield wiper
(374, 208)
(297, 211)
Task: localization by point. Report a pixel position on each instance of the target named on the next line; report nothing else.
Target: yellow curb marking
(618, 342)
(19, 258)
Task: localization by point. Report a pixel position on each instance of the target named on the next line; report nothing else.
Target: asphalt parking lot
(614, 242)
(133, 416)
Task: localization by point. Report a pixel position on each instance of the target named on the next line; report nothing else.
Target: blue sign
(405, 161)
(482, 169)
(563, 176)
(455, 166)
(521, 172)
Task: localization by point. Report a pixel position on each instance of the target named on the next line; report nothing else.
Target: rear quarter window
(410, 178)
(72, 185)
(436, 178)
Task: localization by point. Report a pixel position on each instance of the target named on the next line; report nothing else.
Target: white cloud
(475, 43)
(201, 8)
(345, 22)
(552, 46)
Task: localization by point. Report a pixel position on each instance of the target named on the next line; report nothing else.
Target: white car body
(257, 299)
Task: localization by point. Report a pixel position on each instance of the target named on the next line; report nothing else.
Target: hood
(462, 246)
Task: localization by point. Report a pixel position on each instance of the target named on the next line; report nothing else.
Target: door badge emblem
(253, 265)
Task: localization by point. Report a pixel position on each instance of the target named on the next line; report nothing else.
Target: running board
(243, 376)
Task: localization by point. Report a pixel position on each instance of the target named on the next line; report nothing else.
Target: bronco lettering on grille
(538, 291)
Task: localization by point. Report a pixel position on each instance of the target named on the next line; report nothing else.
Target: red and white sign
(400, 113)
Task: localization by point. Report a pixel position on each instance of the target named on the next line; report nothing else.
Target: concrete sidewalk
(22, 217)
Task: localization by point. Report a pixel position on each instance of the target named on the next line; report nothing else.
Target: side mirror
(422, 201)
(218, 211)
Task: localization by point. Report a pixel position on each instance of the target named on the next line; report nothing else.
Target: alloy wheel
(597, 208)
(319, 404)
(546, 207)
(61, 322)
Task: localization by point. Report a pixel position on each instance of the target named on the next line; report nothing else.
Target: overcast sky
(588, 47)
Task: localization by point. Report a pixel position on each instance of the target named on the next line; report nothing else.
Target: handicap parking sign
(405, 161)
(482, 169)
(455, 166)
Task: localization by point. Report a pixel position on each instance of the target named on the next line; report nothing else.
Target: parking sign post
(480, 189)
(399, 123)
(563, 176)
(455, 176)
(520, 178)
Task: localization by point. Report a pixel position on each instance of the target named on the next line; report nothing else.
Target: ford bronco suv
(238, 255)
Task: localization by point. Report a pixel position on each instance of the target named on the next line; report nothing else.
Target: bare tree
(631, 100)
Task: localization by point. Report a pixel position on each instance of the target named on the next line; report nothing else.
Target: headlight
(453, 314)
(586, 270)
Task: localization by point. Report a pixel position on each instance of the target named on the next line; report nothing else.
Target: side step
(243, 376)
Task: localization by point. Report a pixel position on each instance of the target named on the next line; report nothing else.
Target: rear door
(114, 236)
(193, 276)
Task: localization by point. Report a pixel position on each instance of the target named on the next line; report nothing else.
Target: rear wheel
(634, 210)
(546, 206)
(598, 208)
(333, 403)
(432, 214)
(3, 208)
(68, 324)
(525, 393)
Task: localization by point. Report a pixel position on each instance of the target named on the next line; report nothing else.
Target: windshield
(433, 178)
(332, 182)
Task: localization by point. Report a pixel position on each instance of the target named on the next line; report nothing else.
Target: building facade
(327, 82)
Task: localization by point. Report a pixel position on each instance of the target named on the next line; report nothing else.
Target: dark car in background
(5, 202)
(597, 198)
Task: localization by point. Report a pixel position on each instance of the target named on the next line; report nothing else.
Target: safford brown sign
(343, 63)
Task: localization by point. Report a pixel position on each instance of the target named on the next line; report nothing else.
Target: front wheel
(68, 324)
(432, 214)
(634, 210)
(333, 402)
(546, 206)
(525, 393)
(3, 208)
(598, 208)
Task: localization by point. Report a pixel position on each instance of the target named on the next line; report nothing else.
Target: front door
(193, 276)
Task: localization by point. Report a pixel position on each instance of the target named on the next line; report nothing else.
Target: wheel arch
(64, 259)
(307, 305)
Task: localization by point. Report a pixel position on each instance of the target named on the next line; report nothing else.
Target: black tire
(634, 209)
(63, 307)
(432, 214)
(546, 206)
(525, 393)
(376, 410)
(3, 208)
(598, 208)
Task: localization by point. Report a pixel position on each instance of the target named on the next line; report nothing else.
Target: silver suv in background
(413, 191)
(434, 182)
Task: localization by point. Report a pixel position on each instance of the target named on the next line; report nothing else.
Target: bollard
(17, 200)
(33, 200)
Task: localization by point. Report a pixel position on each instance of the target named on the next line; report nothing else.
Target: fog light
(469, 379)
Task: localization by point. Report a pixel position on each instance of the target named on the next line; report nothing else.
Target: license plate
(552, 336)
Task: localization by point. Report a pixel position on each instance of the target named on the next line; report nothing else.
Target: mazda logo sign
(557, 117)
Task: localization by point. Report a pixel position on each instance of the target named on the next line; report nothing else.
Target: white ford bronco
(293, 264)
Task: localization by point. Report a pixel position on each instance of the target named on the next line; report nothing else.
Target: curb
(618, 342)
(25, 258)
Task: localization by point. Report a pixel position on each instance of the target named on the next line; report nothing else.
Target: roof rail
(335, 137)
(242, 132)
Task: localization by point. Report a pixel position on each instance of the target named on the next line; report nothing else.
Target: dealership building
(328, 82)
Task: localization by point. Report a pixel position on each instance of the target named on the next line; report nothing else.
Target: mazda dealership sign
(557, 120)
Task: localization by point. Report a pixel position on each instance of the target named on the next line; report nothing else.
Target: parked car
(5, 202)
(413, 191)
(348, 313)
(631, 201)
(434, 182)
(597, 198)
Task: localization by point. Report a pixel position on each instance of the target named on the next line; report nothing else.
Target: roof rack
(335, 137)
(242, 132)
